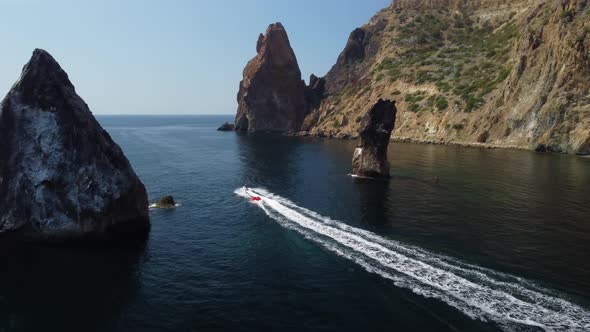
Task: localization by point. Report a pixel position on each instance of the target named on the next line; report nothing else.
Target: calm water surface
(218, 262)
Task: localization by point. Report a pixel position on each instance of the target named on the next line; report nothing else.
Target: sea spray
(480, 293)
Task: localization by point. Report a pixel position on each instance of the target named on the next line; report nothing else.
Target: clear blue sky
(169, 57)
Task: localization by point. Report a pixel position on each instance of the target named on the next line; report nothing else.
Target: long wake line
(484, 294)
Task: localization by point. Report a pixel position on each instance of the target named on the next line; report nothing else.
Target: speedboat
(253, 197)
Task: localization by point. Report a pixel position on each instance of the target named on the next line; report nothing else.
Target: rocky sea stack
(370, 157)
(62, 178)
(272, 93)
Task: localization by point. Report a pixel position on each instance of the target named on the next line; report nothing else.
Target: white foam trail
(155, 206)
(509, 301)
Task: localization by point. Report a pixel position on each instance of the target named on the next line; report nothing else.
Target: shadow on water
(373, 197)
(46, 288)
(268, 159)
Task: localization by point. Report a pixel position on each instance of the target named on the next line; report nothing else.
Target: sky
(169, 57)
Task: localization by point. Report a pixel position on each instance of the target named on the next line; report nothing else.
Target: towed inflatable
(251, 194)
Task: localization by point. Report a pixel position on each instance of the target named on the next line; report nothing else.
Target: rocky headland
(490, 73)
(62, 178)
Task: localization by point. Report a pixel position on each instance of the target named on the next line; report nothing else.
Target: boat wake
(154, 206)
(511, 302)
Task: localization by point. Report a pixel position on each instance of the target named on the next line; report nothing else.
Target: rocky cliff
(495, 72)
(272, 94)
(61, 175)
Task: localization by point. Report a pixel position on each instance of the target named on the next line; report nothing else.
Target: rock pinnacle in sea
(370, 157)
(272, 93)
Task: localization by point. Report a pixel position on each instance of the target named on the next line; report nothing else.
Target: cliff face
(506, 73)
(61, 175)
(272, 93)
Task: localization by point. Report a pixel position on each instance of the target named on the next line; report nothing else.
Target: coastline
(462, 144)
(405, 139)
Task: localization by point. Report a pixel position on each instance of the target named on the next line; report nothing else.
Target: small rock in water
(166, 202)
(227, 127)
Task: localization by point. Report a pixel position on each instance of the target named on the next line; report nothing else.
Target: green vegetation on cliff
(507, 73)
(463, 58)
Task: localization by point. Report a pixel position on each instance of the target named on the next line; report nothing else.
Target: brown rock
(530, 82)
(272, 93)
(370, 157)
(314, 92)
(483, 137)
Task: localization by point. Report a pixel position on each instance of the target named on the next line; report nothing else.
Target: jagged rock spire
(272, 93)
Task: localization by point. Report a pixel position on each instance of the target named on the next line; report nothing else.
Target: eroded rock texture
(504, 73)
(370, 157)
(61, 175)
(272, 93)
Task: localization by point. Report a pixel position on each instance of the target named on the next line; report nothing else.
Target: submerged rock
(166, 202)
(61, 175)
(226, 127)
(370, 157)
(272, 93)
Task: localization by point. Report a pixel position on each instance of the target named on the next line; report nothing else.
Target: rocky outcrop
(370, 157)
(166, 202)
(227, 127)
(61, 175)
(504, 73)
(352, 65)
(272, 93)
(314, 92)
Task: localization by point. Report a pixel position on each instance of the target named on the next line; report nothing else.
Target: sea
(501, 242)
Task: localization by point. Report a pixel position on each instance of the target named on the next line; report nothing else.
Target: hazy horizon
(161, 58)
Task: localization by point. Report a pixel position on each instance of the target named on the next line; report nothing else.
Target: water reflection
(268, 159)
(374, 202)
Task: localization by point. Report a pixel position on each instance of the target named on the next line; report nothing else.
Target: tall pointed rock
(61, 175)
(272, 93)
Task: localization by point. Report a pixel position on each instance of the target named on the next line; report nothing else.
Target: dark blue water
(219, 262)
